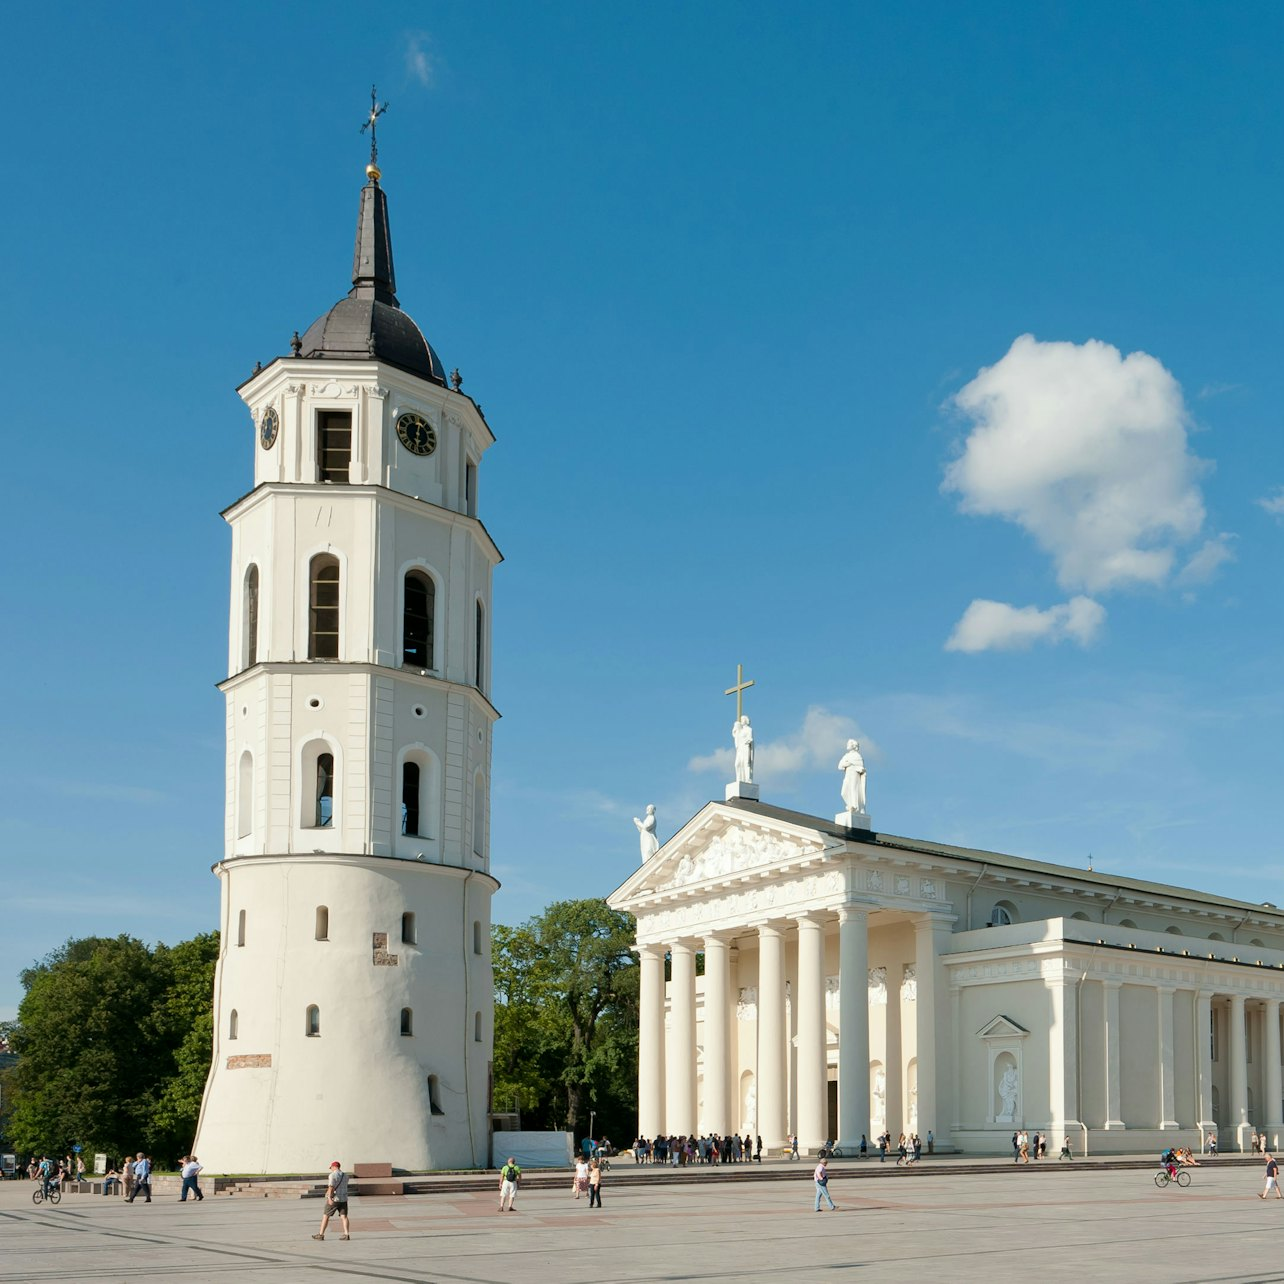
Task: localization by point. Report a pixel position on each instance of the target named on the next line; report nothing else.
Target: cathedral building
(352, 1005)
(854, 982)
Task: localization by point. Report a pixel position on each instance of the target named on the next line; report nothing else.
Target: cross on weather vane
(371, 121)
(738, 690)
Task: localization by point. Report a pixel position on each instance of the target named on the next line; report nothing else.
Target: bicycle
(830, 1152)
(1163, 1177)
(53, 1195)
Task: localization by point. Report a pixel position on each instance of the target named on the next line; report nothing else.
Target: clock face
(268, 426)
(416, 433)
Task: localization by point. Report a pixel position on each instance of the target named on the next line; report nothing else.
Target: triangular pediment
(1002, 1027)
(719, 846)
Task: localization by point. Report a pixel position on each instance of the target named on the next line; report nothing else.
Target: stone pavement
(1081, 1223)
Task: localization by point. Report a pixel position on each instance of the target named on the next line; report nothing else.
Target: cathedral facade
(352, 1006)
(855, 982)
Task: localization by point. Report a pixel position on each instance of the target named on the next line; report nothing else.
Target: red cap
(336, 1164)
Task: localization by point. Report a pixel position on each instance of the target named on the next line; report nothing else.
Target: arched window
(240, 928)
(313, 1025)
(325, 791)
(408, 929)
(251, 647)
(434, 1095)
(477, 936)
(479, 814)
(323, 923)
(323, 608)
(410, 797)
(417, 620)
(1127, 922)
(1173, 931)
(407, 1022)
(1003, 914)
(479, 659)
(477, 1029)
(1079, 914)
(245, 795)
(233, 1025)
(1216, 936)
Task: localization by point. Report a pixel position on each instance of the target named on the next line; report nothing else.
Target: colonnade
(667, 1068)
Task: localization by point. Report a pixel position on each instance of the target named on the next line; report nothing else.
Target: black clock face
(416, 434)
(268, 426)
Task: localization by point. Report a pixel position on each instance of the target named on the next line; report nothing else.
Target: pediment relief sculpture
(731, 852)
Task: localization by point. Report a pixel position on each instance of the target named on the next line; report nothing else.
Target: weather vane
(371, 121)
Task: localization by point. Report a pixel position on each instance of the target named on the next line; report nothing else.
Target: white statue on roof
(742, 736)
(852, 765)
(647, 840)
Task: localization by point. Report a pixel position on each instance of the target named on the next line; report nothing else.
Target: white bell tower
(353, 1001)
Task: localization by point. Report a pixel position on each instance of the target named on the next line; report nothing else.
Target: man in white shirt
(189, 1171)
(336, 1201)
(142, 1179)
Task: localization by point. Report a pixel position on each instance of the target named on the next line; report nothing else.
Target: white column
(1274, 1089)
(651, 1041)
(1063, 1051)
(1167, 1069)
(1236, 1039)
(813, 1096)
(1204, 1047)
(893, 1054)
(716, 1116)
(771, 1035)
(853, 1026)
(932, 1030)
(680, 1096)
(1113, 1032)
(956, 1071)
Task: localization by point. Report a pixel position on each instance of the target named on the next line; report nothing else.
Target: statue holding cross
(741, 731)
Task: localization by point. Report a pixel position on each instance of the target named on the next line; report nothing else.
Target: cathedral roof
(369, 322)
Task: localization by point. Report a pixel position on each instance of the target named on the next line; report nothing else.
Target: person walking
(142, 1179)
(509, 1176)
(821, 1177)
(1272, 1178)
(189, 1172)
(793, 1146)
(864, 1146)
(579, 1183)
(127, 1173)
(336, 1201)
(595, 1184)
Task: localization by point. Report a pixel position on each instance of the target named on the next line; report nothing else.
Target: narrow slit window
(434, 1095)
(233, 1025)
(480, 648)
(407, 1022)
(325, 791)
(477, 1029)
(408, 929)
(334, 445)
(313, 1024)
(240, 928)
(417, 621)
(470, 489)
(323, 608)
(477, 949)
(410, 798)
(323, 923)
(251, 617)
(245, 795)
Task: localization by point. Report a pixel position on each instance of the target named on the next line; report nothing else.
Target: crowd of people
(678, 1152)
(133, 1177)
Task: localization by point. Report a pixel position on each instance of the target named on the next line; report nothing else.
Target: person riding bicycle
(46, 1174)
(1169, 1161)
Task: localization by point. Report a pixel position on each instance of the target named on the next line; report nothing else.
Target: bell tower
(352, 1004)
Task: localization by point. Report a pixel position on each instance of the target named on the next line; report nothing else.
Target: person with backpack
(336, 1201)
(821, 1177)
(509, 1176)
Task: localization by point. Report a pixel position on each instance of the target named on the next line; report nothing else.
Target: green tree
(566, 1017)
(106, 1035)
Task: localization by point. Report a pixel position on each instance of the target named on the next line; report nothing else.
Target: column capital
(767, 926)
(1111, 983)
(683, 944)
(934, 920)
(714, 939)
(810, 918)
(855, 913)
(650, 948)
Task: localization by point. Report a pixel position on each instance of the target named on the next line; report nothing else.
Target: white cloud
(1086, 450)
(421, 63)
(996, 626)
(818, 742)
(1274, 504)
(1207, 559)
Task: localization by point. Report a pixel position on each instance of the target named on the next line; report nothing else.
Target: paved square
(1048, 1224)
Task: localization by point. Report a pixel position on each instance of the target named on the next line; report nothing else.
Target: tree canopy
(566, 1018)
(113, 1042)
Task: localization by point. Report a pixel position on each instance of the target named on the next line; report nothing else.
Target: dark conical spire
(372, 272)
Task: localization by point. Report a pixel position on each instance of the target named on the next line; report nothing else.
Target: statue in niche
(1008, 1094)
(852, 765)
(647, 840)
(751, 1109)
(880, 1094)
(742, 737)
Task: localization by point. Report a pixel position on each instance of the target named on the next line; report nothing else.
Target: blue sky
(742, 289)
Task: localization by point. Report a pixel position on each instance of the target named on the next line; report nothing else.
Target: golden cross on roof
(371, 121)
(738, 690)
